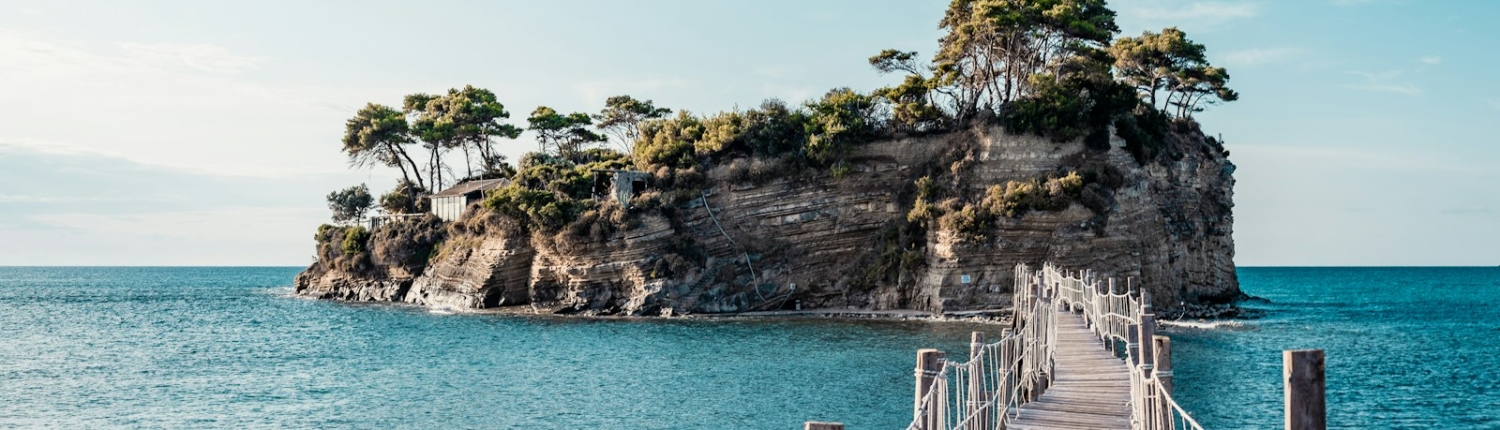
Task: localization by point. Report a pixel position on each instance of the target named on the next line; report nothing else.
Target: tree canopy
(565, 135)
(350, 204)
(465, 119)
(377, 135)
(1168, 62)
(622, 116)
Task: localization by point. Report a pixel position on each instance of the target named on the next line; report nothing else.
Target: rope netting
(988, 390)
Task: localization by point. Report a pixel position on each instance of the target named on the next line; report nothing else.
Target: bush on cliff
(354, 240)
(815, 134)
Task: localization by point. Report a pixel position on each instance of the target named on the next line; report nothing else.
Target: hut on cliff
(451, 203)
(620, 185)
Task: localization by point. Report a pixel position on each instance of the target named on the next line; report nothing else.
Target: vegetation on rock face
(1053, 68)
(403, 199)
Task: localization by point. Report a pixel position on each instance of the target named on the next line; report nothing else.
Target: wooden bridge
(1072, 359)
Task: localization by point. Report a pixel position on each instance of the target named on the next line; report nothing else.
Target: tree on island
(566, 135)
(462, 119)
(622, 116)
(377, 135)
(350, 204)
(1170, 62)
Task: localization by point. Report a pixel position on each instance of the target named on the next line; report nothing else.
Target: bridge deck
(1091, 388)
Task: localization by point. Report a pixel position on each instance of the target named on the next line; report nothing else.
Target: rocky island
(1080, 149)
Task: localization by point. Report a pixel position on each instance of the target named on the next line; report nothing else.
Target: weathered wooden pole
(1133, 344)
(1163, 346)
(929, 367)
(1302, 372)
(1163, 361)
(814, 425)
(1147, 338)
(977, 393)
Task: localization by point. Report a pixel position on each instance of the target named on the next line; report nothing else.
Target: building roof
(472, 186)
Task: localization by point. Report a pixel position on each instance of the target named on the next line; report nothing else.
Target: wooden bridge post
(1148, 349)
(977, 394)
(814, 425)
(929, 366)
(1110, 303)
(1163, 346)
(1302, 374)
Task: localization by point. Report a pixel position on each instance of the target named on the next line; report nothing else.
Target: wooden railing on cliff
(994, 387)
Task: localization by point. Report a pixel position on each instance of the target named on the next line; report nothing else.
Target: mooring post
(929, 367)
(1302, 373)
(1148, 350)
(1163, 346)
(1147, 334)
(814, 425)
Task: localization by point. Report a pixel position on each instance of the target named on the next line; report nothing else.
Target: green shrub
(668, 142)
(774, 130)
(327, 232)
(927, 189)
(837, 121)
(354, 240)
(1016, 198)
(972, 223)
(921, 212)
(1145, 133)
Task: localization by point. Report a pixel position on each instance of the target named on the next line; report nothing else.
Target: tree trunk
(414, 170)
(468, 163)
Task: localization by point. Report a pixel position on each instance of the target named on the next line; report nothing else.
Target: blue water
(1405, 348)
(225, 348)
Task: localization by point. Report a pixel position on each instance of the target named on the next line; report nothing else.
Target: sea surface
(228, 348)
(1406, 348)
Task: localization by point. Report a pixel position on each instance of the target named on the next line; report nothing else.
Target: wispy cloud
(1431, 60)
(1260, 56)
(1207, 12)
(1385, 82)
(1351, 2)
(202, 57)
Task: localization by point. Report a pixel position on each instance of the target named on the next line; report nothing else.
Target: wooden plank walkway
(1091, 388)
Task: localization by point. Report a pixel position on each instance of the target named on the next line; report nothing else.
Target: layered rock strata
(810, 241)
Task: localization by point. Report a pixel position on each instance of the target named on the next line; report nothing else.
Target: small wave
(1204, 324)
(440, 311)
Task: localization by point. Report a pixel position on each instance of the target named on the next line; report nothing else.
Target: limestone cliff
(842, 239)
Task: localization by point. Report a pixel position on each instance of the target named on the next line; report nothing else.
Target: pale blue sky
(207, 133)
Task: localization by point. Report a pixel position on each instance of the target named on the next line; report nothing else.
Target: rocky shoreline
(827, 241)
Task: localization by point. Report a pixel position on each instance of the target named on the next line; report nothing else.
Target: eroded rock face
(492, 273)
(812, 241)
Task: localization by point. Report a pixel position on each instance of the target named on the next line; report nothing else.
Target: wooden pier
(1091, 387)
(1081, 354)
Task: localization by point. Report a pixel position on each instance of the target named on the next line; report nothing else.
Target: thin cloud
(1260, 56)
(1351, 2)
(1385, 82)
(1209, 12)
(1431, 60)
(203, 57)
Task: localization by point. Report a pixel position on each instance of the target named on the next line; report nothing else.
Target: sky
(207, 133)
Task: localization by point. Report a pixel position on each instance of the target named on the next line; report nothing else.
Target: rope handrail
(988, 389)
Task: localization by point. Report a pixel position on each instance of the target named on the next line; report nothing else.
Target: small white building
(451, 203)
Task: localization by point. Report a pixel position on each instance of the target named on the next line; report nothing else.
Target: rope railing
(988, 390)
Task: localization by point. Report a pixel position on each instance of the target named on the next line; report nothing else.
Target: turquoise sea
(227, 348)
